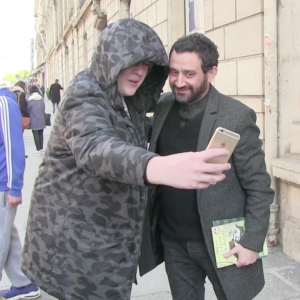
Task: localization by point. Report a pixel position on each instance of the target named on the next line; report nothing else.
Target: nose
(140, 68)
(180, 81)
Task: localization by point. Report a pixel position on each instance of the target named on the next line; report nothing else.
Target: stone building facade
(259, 64)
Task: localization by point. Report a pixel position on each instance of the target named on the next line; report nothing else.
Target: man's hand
(245, 256)
(188, 170)
(13, 201)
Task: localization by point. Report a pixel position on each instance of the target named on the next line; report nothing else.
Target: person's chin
(182, 98)
(130, 93)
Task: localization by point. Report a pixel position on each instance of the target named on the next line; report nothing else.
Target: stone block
(244, 38)
(287, 169)
(146, 3)
(225, 81)
(256, 103)
(144, 16)
(291, 238)
(138, 6)
(294, 137)
(208, 15)
(164, 32)
(158, 30)
(248, 8)
(162, 11)
(217, 36)
(223, 12)
(152, 16)
(132, 8)
(260, 122)
(250, 76)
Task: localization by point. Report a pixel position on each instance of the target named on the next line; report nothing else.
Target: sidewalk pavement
(282, 274)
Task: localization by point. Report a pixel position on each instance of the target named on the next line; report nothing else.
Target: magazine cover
(226, 235)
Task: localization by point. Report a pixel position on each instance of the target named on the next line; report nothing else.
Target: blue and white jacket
(12, 153)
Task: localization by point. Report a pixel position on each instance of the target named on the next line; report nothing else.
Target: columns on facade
(65, 51)
(271, 107)
(124, 9)
(76, 56)
(176, 21)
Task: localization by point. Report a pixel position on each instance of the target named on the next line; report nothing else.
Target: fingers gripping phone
(223, 138)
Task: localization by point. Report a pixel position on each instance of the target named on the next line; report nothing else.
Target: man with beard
(85, 221)
(178, 222)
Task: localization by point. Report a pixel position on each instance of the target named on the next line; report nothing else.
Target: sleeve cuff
(15, 193)
(146, 181)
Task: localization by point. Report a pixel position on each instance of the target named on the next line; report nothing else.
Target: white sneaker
(42, 151)
(37, 153)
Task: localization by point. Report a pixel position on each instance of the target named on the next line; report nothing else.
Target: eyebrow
(185, 71)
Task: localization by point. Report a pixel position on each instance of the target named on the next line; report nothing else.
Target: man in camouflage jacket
(84, 227)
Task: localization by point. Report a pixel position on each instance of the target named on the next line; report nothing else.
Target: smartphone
(223, 138)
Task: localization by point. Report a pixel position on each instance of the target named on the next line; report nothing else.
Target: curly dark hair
(203, 46)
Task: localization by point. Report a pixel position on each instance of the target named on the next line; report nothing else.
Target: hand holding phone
(223, 138)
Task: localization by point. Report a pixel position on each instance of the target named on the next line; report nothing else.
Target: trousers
(38, 139)
(10, 245)
(187, 265)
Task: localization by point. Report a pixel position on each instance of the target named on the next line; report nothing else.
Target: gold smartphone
(223, 138)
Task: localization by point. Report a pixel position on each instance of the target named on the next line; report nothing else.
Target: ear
(211, 74)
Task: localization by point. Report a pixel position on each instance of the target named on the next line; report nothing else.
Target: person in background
(84, 228)
(54, 94)
(19, 89)
(43, 90)
(12, 165)
(178, 222)
(36, 108)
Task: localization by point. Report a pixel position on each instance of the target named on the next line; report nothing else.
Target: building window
(194, 16)
(190, 24)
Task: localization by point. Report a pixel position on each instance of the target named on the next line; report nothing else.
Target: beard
(194, 95)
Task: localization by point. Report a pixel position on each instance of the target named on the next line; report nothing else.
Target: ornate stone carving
(81, 3)
(100, 16)
(71, 12)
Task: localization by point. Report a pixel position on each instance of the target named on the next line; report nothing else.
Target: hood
(6, 92)
(121, 45)
(35, 96)
(17, 88)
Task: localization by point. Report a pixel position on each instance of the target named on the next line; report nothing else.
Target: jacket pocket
(86, 237)
(3, 199)
(89, 249)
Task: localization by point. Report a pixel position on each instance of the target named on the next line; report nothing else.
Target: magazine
(226, 235)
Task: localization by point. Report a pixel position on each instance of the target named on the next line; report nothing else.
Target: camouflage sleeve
(97, 147)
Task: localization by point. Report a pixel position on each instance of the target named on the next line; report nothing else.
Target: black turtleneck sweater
(180, 218)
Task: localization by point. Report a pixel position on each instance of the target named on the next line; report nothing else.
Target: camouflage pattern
(84, 228)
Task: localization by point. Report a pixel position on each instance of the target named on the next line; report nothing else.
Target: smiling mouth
(182, 90)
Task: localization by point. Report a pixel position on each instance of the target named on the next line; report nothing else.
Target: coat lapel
(159, 120)
(206, 131)
(209, 118)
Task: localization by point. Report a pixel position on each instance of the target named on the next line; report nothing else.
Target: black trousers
(53, 105)
(38, 139)
(187, 266)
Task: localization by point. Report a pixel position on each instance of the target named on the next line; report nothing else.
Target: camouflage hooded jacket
(84, 227)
